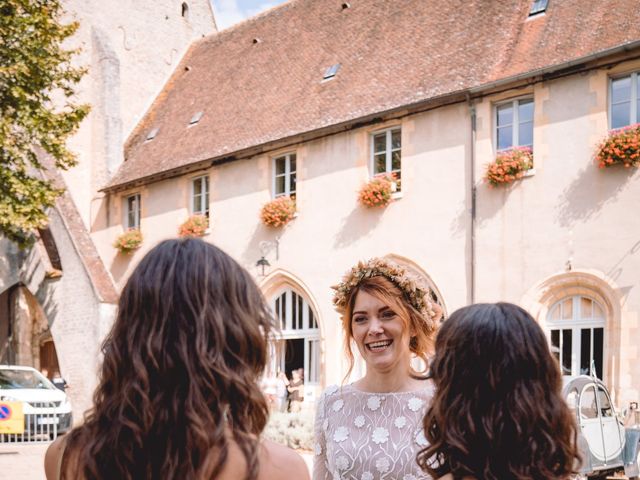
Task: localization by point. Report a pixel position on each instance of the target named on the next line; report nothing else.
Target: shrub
(128, 241)
(509, 166)
(294, 430)
(377, 193)
(194, 226)
(621, 147)
(278, 212)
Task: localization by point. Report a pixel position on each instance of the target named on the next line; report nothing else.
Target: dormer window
(538, 6)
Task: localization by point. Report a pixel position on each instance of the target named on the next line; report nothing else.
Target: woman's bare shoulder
(53, 457)
(278, 461)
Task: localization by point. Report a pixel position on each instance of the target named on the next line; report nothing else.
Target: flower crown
(416, 294)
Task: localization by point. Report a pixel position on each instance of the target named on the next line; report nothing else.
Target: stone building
(316, 97)
(57, 300)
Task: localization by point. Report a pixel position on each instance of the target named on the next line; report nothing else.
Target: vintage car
(606, 445)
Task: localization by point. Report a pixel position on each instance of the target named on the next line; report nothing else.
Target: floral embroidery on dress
(341, 434)
(382, 465)
(373, 403)
(331, 389)
(370, 436)
(380, 435)
(421, 439)
(415, 404)
(342, 463)
(317, 448)
(400, 422)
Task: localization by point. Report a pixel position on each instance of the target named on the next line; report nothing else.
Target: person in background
(178, 396)
(296, 390)
(59, 382)
(498, 411)
(372, 428)
(282, 393)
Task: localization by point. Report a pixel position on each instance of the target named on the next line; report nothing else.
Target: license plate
(48, 421)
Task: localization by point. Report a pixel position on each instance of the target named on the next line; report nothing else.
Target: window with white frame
(200, 196)
(132, 211)
(514, 124)
(284, 179)
(576, 329)
(386, 150)
(624, 101)
(299, 338)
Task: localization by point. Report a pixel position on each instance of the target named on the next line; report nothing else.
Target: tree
(37, 111)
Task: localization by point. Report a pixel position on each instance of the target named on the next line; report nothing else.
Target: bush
(128, 241)
(278, 212)
(295, 430)
(194, 226)
(509, 166)
(621, 147)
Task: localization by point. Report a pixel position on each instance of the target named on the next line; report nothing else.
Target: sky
(230, 12)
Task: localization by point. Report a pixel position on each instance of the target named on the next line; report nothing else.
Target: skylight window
(152, 134)
(196, 118)
(538, 6)
(331, 71)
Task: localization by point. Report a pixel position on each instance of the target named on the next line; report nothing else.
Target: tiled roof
(261, 80)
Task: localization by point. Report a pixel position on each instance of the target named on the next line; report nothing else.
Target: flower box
(278, 212)
(194, 226)
(621, 147)
(378, 192)
(509, 166)
(128, 241)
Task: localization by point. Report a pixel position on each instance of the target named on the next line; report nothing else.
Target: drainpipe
(472, 188)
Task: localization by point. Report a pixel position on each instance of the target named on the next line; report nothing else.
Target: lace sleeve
(320, 467)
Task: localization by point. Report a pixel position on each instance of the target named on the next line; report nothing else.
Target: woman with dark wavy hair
(178, 396)
(497, 412)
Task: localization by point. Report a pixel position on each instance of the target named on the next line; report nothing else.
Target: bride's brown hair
(178, 381)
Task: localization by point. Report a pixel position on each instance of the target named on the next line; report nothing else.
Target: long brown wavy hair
(178, 381)
(498, 412)
(383, 289)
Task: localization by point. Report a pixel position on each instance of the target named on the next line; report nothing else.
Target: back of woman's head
(497, 412)
(179, 372)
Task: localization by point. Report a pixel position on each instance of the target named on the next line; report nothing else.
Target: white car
(42, 401)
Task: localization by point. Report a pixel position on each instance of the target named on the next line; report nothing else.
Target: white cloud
(230, 12)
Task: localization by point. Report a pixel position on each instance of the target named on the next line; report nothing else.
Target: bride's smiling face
(381, 335)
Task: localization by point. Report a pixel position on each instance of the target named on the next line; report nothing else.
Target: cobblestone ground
(22, 462)
(26, 462)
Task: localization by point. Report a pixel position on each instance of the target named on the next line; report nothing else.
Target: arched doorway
(297, 346)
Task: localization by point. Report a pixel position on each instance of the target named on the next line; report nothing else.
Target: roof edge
(430, 103)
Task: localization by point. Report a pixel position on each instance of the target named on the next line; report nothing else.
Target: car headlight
(65, 404)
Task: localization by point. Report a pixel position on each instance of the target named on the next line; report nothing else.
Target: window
(514, 124)
(299, 337)
(285, 175)
(576, 326)
(538, 6)
(387, 152)
(200, 196)
(624, 101)
(132, 208)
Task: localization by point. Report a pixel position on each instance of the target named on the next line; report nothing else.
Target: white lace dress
(369, 436)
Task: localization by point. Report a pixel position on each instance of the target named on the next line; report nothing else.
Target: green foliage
(294, 430)
(37, 111)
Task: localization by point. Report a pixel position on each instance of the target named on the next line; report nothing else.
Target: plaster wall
(332, 231)
(567, 218)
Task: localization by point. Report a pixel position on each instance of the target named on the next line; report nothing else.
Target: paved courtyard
(22, 462)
